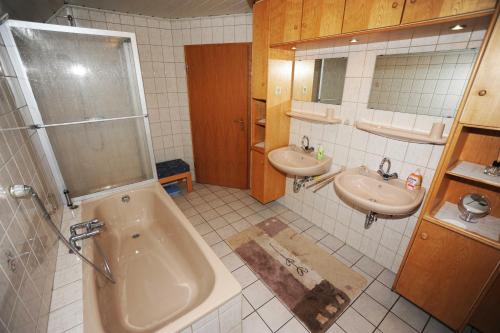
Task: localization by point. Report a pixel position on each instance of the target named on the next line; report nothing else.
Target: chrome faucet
(92, 228)
(385, 174)
(304, 144)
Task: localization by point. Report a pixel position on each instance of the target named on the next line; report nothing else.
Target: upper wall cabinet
(370, 14)
(482, 106)
(322, 18)
(285, 20)
(260, 48)
(421, 10)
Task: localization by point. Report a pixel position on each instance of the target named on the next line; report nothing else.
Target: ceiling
(41, 10)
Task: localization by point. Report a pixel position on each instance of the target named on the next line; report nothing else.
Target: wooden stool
(174, 170)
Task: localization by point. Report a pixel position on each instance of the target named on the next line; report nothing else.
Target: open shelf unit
(312, 117)
(400, 134)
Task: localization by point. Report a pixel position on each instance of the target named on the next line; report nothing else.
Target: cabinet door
(321, 18)
(370, 14)
(482, 106)
(257, 183)
(285, 18)
(421, 10)
(445, 272)
(260, 46)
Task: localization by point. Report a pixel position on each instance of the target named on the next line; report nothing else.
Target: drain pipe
(370, 218)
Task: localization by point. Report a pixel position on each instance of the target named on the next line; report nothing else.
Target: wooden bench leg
(189, 182)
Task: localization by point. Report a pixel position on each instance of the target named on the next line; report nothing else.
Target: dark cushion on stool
(170, 168)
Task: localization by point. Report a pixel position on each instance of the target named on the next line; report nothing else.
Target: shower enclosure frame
(15, 57)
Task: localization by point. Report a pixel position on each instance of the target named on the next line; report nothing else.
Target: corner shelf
(313, 117)
(400, 134)
(472, 171)
(261, 122)
(260, 146)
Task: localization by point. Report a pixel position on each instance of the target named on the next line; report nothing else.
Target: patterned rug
(314, 285)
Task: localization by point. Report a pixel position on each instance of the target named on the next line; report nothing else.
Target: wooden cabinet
(421, 10)
(483, 102)
(370, 14)
(321, 18)
(257, 174)
(260, 46)
(285, 19)
(444, 272)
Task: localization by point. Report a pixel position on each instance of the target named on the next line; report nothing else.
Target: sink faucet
(385, 174)
(304, 144)
(92, 228)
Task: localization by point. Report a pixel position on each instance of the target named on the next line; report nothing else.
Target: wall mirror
(430, 83)
(319, 80)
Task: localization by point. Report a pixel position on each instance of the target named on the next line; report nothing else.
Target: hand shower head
(20, 191)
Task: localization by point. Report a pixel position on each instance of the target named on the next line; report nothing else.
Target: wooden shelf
(260, 146)
(313, 117)
(472, 171)
(488, 226)
(400, 134)
(261, 122)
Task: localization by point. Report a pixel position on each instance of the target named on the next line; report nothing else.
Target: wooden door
(444, 272)
(285, 17)
(218, 89)
(421, 10)
(482, 106)
(321, 18)
(260, 46)
(370, 14)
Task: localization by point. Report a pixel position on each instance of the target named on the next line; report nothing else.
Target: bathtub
(166, 276)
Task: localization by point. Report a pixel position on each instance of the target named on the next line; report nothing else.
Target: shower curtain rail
(88, 121)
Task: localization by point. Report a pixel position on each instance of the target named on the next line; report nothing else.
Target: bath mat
(314, 285)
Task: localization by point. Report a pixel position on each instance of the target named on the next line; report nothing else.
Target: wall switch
(277, 91)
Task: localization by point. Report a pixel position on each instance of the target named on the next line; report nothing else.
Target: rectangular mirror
(319, 80)
(430, 83)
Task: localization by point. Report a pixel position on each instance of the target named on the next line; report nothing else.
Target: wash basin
(367, 190)
(295, 162)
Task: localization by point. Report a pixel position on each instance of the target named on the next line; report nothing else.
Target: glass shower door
(87, 94)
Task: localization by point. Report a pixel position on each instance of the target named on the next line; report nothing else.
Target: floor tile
(217, 223)
(335, 329)
(209, 215)
(410, 313)
(289, 215)
(274, 314)
(241, 225)
(332, 242)
(342, 259)
(232, 261)
(392, 324)
(435, 326)
(293, 326)
(352, 322)
(257, 294)
(226, 232)
(212, 238)
(246, 308)
(254, 218)
(245, 211)
(222, 210)
(254, 324)
(221, 249)
(235, 205)
(369, 266)
(316, 233)
(387, 278)
(232, 217)
(382, 294)
(203, 228)
(351, 254)
(367, 277)
(370, 309)
(302, 223)
(196, 219)
(244, 276)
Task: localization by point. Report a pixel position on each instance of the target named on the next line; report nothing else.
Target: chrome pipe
(24, 192)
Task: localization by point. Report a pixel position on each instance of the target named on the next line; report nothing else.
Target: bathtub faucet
(92, 228)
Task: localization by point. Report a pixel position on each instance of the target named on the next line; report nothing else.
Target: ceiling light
(354, 40)
(294, 48)
(458, 27)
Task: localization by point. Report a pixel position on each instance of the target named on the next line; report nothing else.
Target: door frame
(31, 103)
(248, 104)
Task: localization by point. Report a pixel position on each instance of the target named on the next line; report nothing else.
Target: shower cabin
(85, 95)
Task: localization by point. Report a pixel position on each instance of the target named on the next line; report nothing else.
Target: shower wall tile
(28, 249)
(387, 239)
(161, 52)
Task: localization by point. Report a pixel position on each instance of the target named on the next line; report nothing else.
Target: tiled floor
(218, 213)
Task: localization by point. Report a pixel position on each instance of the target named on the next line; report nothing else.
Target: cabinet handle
(424, 236)
(394, 5)
(482, 92)
(295, 27)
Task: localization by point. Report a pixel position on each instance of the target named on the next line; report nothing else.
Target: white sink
(367, 190)
(295, 162)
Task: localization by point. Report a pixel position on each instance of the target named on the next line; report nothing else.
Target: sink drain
(136, 235)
